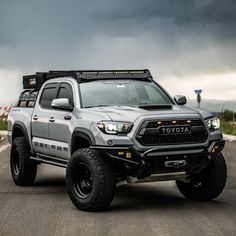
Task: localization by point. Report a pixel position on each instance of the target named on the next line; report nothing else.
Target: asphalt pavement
(141, 209)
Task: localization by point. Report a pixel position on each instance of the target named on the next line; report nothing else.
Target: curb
(230, 138)
(3, 132)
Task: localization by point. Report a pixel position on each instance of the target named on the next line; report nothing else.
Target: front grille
(150, 135)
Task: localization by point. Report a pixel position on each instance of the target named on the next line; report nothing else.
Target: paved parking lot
(144, 209)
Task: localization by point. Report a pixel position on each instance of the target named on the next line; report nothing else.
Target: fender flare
(83, 133)
(20, 125)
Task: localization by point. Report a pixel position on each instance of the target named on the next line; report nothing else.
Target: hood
(127, 113)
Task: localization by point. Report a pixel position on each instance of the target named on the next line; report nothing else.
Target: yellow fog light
(128, 155)
(120, 153)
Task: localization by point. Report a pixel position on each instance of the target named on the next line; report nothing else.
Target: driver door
(60, 125)
(40, 120)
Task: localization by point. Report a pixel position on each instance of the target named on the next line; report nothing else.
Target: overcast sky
(186, 44)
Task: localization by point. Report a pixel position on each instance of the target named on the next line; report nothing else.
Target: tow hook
(178, 164)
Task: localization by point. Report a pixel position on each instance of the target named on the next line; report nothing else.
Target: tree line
(228, 115)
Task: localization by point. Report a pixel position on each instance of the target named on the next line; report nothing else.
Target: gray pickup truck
(109, 128)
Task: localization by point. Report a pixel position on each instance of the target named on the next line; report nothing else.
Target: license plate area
(168, 164)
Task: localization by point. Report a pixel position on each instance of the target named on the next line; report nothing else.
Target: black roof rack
(103, 74)
(36, 80)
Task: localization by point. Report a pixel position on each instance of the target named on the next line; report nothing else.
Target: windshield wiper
(102, 105)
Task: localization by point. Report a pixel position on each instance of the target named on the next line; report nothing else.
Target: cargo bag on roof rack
(33, 81)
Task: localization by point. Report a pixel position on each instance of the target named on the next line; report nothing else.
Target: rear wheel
(209, 183)
(23, 170)
(90, 181)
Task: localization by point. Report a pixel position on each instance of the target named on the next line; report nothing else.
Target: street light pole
(198, 93)
(233, 122)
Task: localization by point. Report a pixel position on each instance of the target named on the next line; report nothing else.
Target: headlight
(213, 124)
(109, 127)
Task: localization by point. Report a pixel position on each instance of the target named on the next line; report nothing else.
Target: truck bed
(20, 115)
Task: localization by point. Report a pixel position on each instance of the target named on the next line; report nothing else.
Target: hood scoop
(156, 106)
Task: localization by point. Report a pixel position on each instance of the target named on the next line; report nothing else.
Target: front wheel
(90, 180)
(209, 183)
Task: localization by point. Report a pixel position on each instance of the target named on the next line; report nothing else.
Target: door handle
(52, 119)
(67, 117)
(35, 117)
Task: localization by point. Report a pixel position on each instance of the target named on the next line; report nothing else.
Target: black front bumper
(164, 160)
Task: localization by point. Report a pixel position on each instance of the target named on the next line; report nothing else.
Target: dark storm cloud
(181, 11)
(178, 37)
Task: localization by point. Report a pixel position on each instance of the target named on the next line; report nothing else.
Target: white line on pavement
(4, 147)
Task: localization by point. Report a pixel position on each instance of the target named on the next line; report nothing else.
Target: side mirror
(61, 104)
(180, 100)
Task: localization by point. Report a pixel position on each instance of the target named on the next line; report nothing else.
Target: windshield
(122, 93)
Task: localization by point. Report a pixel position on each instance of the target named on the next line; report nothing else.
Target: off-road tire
(23, 170)
(212, 181)
(101, 179)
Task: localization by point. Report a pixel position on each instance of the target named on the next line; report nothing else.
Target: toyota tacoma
(113, 127)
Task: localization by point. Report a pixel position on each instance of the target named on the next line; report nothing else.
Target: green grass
(228, 127)
(3, 125)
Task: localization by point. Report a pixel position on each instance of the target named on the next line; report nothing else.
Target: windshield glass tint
(121, 93)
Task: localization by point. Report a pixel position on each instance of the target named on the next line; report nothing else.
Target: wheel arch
(81, 138)
(19, 130)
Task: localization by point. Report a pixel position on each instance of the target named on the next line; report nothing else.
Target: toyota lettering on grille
(168, 130)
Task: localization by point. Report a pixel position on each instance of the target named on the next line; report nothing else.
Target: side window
(49, 93)
(65, 91)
